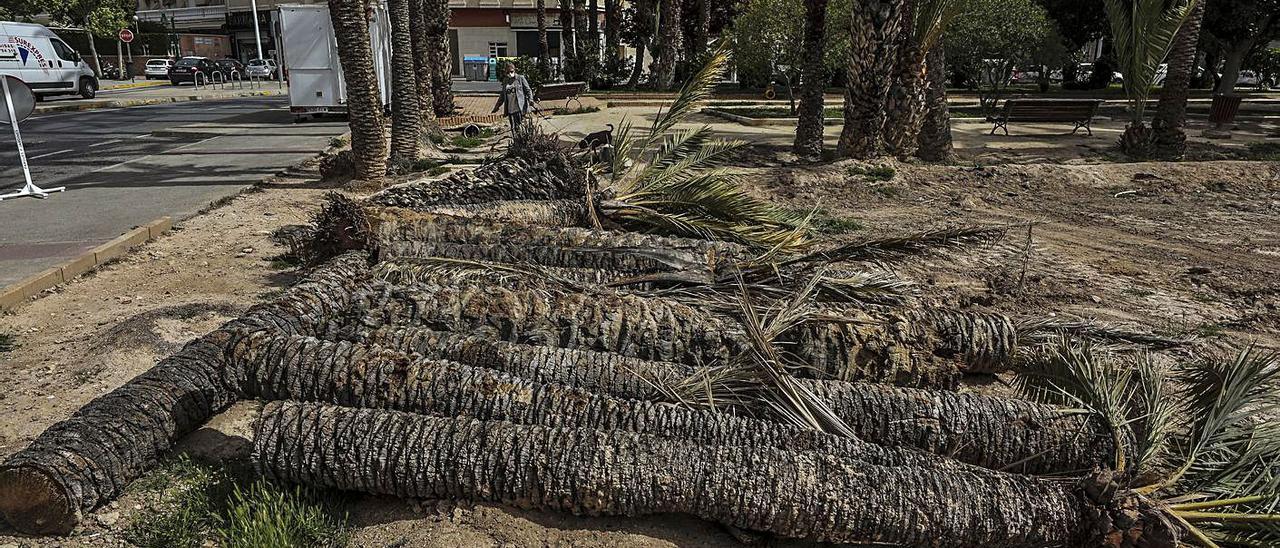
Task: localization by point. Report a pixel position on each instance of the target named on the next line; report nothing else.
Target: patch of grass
(1210, 330)
(872, 173)
(887, 191)
(8, 342)
(438, 170)
(337, 142)
(571, 111)
(823, 222)
(1264, 150)
(193, 505)
(264, 514)
(285, 262)
(424, 164)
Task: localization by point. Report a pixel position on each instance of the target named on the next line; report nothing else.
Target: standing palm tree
(568, 40)
(406, 112)
(935, 131)
(612, 38)
(1171, 113)
(923, 21)
(421, 57)
(1142, 31)
(813, 80)
(874, 31)
(544, 50)
(364, 102)
(437, 19)
(667, 44)
(701, 29)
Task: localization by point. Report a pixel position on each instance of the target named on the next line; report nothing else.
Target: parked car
(228, 66)
(262, 68)
(186, 69)
(35, 55)
(1248, 78)
(158, 69)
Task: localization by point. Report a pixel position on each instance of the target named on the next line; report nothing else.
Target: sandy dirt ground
(1185, 250)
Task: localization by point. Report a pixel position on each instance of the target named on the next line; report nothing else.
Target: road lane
(127, 167)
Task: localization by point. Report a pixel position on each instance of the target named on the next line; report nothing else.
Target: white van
(35, 55)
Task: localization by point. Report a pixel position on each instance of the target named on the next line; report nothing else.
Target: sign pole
(30, 189)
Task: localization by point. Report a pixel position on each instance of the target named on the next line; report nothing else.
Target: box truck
(310, 54)
(35, 55)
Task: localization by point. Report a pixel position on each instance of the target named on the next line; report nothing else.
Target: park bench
(1076, 111)
(569, 91)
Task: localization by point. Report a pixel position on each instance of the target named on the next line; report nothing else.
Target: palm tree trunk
(906, 95)
(568, 38)
(612, 36)
(422, 65)
(437, 23)
(700, 30)
(1171, 112)
(813, 81)
(544, 49)
(309, 369)
(364, 102)
(87, 460)
(935, 131)
(991, 432)
(644, 21)
(666, 45)
(406, 113)
(874, 40)
(621, 473)
(638, 68)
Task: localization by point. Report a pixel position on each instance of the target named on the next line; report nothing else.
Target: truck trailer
(310, 55)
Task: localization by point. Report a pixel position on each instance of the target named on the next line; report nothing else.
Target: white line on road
(104, 143)
(47, 154)
(132, 160)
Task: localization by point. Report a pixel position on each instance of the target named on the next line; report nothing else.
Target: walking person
(516, 96)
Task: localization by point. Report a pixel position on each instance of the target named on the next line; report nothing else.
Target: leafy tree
(1237, 28)
(989, 38)
(767, 33)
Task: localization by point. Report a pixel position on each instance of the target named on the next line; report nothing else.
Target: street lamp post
(257, 34)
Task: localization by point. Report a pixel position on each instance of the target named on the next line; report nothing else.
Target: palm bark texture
(935, 129)
(874, 43)
(1171, 112)
(406, 112)
(813, 81)
(364, 102)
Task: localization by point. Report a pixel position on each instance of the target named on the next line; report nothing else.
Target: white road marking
(132, 160)
(47, 154)
(104, 143)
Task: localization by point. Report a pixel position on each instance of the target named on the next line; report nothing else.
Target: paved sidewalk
(158, 94)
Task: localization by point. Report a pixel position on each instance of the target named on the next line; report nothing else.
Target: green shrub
(267, 516)
(873, 173)
(571, 111)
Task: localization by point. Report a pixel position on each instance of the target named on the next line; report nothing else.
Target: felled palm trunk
(432, 270)
(992, 432)
(309, 369)
(597, 472)
(917, 349)
(550, 213)
(85, 461)
(508, 180)
(608, 265)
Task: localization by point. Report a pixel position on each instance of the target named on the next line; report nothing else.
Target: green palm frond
(1142, 32)
(932, 16)
(682, 165)
(692, 94)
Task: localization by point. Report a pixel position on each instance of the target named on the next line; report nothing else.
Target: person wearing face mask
(516, 96)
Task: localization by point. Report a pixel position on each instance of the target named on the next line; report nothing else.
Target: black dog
(593, 141)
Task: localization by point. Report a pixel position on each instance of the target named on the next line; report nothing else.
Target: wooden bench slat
(1077, 111)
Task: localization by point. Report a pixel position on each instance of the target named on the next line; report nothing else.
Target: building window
(498, 49)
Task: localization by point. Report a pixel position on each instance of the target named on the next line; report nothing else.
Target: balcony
(188, 18)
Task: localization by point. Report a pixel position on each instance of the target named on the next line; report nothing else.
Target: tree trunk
(876, 24)
(437, 20)
(700, 29)
(544, 49)
(935, 131)
(364, 102)
(612, 38)
(638, 68)
(87, 460)
(422, 65)
(509, 180)
(309, 369)
(406, 113)
(1171, 113)
(93, 52)
(568, 38)
(621, 473)
(905, 103)
(992, 432)
(1231, 68)
(666, 45)
(813, 81)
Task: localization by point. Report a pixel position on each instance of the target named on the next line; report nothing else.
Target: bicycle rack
(195, 80)
(255, 81)
(218, 80)
(236, 80)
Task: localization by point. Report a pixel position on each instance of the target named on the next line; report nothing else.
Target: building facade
(477, 28)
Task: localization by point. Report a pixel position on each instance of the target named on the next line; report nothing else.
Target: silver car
(261, 68)
(158, 68)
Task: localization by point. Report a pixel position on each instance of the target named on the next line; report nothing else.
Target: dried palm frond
(886, 249)
(1041, 329)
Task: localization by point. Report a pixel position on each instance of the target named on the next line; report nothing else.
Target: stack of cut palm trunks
(471, 338)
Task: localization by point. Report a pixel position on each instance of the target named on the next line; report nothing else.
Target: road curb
(135, 85)
(18, 293)
(126, 103)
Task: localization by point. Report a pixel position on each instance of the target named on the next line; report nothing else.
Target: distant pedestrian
(516, 96)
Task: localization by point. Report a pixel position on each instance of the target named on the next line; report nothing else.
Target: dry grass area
(1186, 249)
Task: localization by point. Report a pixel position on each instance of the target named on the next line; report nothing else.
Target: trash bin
(1223, 109)
(475, 68)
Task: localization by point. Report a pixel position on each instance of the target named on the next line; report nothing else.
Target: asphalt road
(127, 167)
